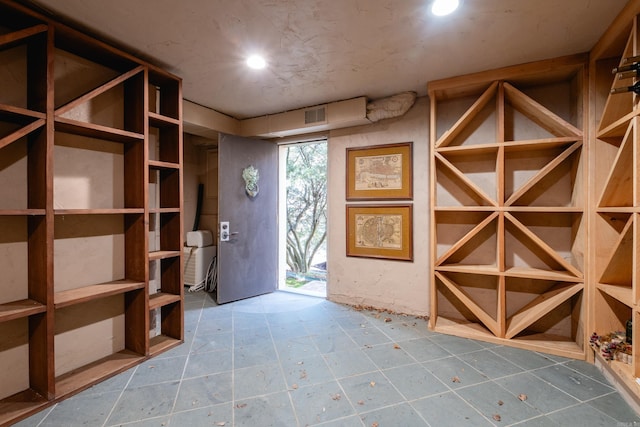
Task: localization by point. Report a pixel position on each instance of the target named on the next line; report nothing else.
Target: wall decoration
(380, 172)
(251, 177)
(380, 231)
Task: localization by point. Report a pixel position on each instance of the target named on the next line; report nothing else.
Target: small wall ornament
(251, 177)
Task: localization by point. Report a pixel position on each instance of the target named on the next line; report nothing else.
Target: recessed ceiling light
(256, 62)
(444, 7)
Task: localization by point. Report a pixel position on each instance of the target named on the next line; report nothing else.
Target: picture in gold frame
(380, 172)
(380, 231)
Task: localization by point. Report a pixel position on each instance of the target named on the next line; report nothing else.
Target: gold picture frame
(380, 231)
(380, 172)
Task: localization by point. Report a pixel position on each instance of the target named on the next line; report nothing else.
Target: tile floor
(291, 360)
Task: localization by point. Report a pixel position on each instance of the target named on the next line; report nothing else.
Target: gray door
(248, 260)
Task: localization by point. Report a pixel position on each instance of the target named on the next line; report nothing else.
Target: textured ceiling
(327, 50)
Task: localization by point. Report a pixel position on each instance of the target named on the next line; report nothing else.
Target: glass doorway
(303, 218)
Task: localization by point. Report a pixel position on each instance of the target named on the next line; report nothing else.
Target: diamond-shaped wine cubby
(509, 185)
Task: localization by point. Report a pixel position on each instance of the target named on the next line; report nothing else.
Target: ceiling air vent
(315, 115)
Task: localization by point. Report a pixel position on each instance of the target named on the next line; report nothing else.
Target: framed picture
(380, 172)
(380, 231)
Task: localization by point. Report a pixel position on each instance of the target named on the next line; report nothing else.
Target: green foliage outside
(306, 204)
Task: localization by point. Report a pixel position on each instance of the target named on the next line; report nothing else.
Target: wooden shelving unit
(75, 203)
(508, 189)
(615, 196)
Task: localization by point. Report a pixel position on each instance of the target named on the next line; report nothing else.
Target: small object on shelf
(629, 331)
(630, 59)
(628, 74)
(635, 89)
(631, 67)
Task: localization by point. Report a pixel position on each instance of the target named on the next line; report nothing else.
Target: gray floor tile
(216, 415)
(525, 359)
(588, 369)
(424, 350)
(490, 364)
(370, 391)
(616, 408)
(456, 345)
(296, 348)
(396, 415)
(115, 383)
(148, 422)
(306, 371)
(389, 356)
(213, 362)
(496, 403)
(258, 381)
(272, 410)
(573, 383)
(207, 342)
(454, 372)
(540, 394)
(368, 336)
(320, 402)
(155, 371)
(415, 381)
(335, 340)
(352, 421)
(253, 355)
(204, 391)
(542, 421)
(449, 410)
(582, 415)
(349, 362)
(82, 410)
(259, 336)
(144, 402)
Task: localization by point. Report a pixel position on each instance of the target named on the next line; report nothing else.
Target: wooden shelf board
(158, 120)
(22, 212)
(164, 210)
(468, 149)
(623, 294)
(20, 405)
(22, 132)
(511, 146)
(99, 211)
(162, 343)
(92, 292)
(156, 164)
(617, 128)
(154, 256)
(540, 307)
(489, 270)
(161, 299)
(19, 115)
(18, 309)
(559, 346)
(90, 374)
(545, 209)
(536, 273)
(98, 91)
(464, 208)
(16, 37)
(616, 209)
(96, 131)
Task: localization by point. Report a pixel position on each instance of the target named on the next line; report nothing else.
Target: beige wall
(393, 285)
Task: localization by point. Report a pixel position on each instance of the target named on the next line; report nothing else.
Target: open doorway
(303, 218)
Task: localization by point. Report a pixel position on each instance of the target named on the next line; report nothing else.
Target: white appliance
(196, 263)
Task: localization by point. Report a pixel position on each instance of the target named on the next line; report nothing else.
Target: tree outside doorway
(306, 205)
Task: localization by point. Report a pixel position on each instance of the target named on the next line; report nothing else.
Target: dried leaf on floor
(396, 346)
(295, 386)
(500, 402)
(336, 396)
(497, 417)
(374, 424)
(387, 319)
(241, 405)
(360, 402)
(455, 379)
(372, 384)
(303, 374)
(522, 397)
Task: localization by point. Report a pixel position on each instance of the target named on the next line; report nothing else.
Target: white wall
(393, 285)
